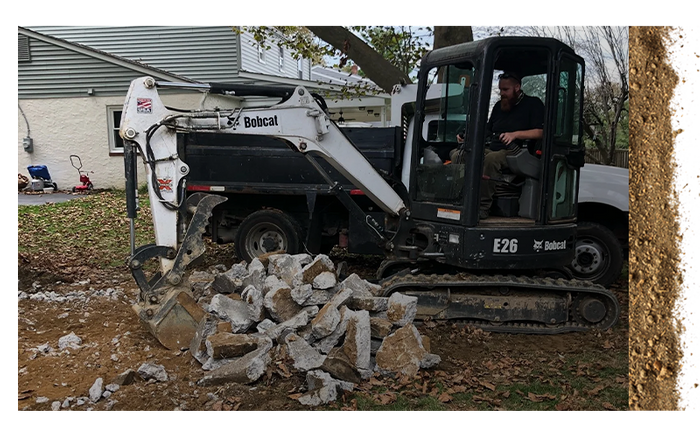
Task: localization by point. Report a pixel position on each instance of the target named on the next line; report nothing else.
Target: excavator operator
(516, 118)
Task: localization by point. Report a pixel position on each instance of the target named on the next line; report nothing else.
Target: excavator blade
(174, 320)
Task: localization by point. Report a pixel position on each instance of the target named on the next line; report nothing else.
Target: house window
(300, 68)
(261, 53)
(114, 117)
(281, 58)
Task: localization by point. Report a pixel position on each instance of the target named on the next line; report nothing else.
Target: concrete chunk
(207, 327)
(297, 321)
(96, 390)
(371, 304)
(402, 352)
(246, 369)
(339, 366)
(234, 311)
(321, 263)
(230, 281)
(284, 267)
(329, 316)
(200, 283)
(303, 259)
(380, 328)
(278, 300)
(152, 371)
(305, 357)
(254, 299)
(361, 288)
(323, 389)
(71, 340)
(324, 280)
(357, 340)
(125, 378)
(327, 343)
(230, 345)
(302, 293)
(256, 275)
(402, 309)
(320, 297)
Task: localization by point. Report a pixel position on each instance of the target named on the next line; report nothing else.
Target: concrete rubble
(294, 309)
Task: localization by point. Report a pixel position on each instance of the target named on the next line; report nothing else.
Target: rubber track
(577, 288)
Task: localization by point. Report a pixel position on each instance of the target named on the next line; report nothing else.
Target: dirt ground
(478, 370)
(655, 351)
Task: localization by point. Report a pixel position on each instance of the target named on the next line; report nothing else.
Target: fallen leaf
(540, 397)
(375, 382)
(595, 390)
(488, 386)
(445, 398)
(609, 406)
(533, 397)
(352, 407)
(457, 389)
(285, 371)
(295, 396)
(386, 398)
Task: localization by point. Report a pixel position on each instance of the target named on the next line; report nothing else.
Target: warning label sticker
(449, 214)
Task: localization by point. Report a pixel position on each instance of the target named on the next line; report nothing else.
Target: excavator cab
(534, 213)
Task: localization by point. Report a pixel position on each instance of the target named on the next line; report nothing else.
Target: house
(72, 82)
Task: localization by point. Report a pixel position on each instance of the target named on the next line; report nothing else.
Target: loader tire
(267, 231)
(598, 254)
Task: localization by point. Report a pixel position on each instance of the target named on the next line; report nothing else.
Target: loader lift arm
(150, 128)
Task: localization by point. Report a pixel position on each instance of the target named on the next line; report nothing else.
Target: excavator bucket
(165, 306)
(174, 321)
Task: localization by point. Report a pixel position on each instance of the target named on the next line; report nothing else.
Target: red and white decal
(165, 184)
(144, 106)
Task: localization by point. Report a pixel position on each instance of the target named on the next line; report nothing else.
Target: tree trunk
(376, 68)
(445, 36)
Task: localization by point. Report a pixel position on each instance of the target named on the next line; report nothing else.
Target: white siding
(79, 126)
(250, 62)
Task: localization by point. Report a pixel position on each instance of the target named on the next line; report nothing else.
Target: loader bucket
(174, 320)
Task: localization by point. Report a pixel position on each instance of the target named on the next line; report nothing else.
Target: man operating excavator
(514, 119)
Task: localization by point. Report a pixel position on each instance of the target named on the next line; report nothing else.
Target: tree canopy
(387, 55)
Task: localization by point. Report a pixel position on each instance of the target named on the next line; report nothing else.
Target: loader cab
(457, 90)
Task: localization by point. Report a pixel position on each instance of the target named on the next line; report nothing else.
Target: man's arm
(531, 134)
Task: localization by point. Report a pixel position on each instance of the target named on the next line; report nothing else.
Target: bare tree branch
(378, 69)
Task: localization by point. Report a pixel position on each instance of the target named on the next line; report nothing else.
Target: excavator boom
(150, 130)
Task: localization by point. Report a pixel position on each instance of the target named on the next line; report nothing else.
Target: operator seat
(516, 192)
(527, 165)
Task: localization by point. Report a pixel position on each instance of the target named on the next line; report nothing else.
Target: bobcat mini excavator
(501, 273)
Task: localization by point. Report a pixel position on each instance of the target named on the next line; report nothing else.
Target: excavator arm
(150, 130)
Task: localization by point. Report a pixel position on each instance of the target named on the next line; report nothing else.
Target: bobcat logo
(537, 247)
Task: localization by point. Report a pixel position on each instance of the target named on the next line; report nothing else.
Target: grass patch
(91, 231)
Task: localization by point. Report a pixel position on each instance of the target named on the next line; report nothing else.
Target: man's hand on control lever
(507, 138)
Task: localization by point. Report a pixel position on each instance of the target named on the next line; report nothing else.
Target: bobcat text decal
(259, 122)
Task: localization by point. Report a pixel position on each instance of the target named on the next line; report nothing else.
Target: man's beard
(508, 104)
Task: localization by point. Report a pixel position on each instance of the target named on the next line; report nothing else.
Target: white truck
(602, 238)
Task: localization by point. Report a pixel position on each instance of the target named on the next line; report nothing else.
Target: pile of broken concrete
(292, 308)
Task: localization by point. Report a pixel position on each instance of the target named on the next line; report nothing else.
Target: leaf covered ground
(84, 243)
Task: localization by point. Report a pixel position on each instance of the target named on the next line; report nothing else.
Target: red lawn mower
(85, 183)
